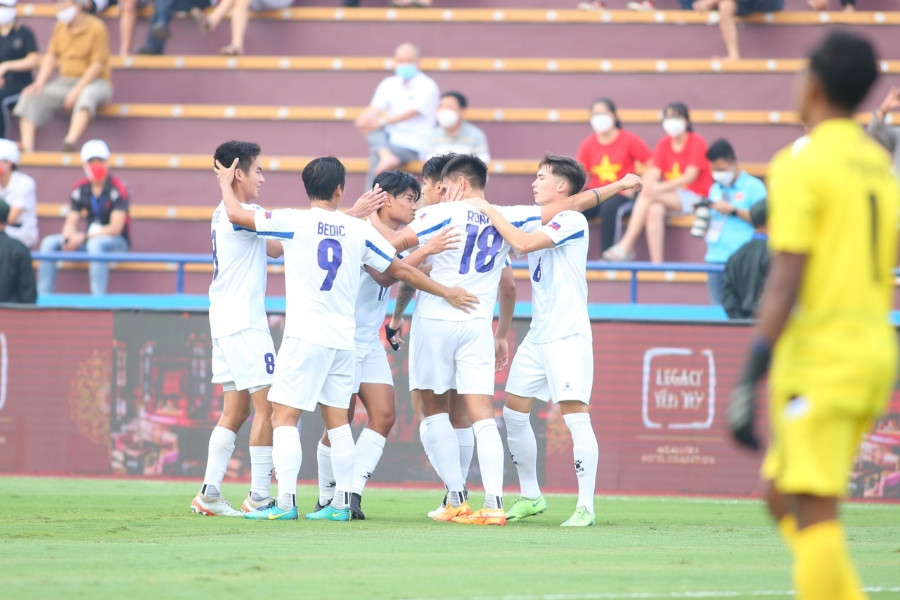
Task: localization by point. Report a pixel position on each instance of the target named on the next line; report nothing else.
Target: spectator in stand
(888, 135)
(163, 13)
(676, 178)
(731, 196)
(18, 58)
(240, 16)
(454, 134)
(16, 273)
(79, 46)
(746, 269)
(103, 199)
(18, 190)
(607, 155)
(849, 5)
(400, 116)
(396, 3)
(728, 10)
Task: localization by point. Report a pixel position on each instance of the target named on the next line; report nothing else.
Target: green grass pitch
(107, 538)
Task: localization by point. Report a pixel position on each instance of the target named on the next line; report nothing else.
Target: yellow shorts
(815, 438)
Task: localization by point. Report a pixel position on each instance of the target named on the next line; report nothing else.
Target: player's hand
(740, 414)
(479, 203)
(70, 99)
(225, 175)
(453, 193)
(447, 239)
(394, 333)
(632, 181)
(368, 203)
(74, 241)
(722, 207)
(34, 89)
(501, 353)
(461, 299)
(891, 101)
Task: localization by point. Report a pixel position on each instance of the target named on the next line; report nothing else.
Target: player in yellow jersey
(824, 315)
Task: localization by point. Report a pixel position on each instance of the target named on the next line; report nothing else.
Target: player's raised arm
(594, 197)
(237, 214)
(521, 242)
(368, 203)
(401, 240)
(448, 239)
(457, 297)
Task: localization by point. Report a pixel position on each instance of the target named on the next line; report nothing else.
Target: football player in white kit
(324, 251)
(373, 383)
(555, 360)
(243, 356)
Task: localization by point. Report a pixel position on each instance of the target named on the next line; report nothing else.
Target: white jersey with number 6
(238, 289)
(477, 261)
(323, 255)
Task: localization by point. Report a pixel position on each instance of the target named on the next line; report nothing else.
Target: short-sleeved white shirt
(477, 261)
(21, 192)
(397, 96)
(324, 252)
(237, 292)
(371, 308)
(558, 281)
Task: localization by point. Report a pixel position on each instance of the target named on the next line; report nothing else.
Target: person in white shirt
(454, 134)
(555, 361)
(19, 191)
(400, 117)
(373, 383)
(325, 251)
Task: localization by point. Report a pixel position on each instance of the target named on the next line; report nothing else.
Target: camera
(701, 217)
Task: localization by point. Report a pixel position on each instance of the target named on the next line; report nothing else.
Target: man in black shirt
(16, 274)
(102, 199)
(746, 269)
(18, 58)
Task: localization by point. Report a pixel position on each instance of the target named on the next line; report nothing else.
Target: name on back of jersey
(475, 216)
(327, 229)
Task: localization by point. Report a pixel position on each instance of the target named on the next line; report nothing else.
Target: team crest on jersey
(268, 214)
(555, 225)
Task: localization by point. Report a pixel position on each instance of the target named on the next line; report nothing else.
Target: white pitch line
(657, 595)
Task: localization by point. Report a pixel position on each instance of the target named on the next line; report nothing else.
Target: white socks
(523, 449)
(369, 448)
(287, 455)
(466, 440)
(445, 451)
(426, 443)
(326, 474)
(221, 447)
(586, 454)
(260, 472)
(490, 458)
(343, 453)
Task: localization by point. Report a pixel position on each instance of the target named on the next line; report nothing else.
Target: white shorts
(451, 355)
(372, 366)
(688, 199)
(559, 370)
(246, 358)
(310, 374)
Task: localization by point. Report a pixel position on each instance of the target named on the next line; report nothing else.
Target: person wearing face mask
(18, 189)
(677, 177)
(731, 197)
(607, 155)
(79, 46)
(399, 119)
(454, 134)
(18, 58)
(103, 200)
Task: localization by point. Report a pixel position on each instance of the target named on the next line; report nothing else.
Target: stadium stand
(535, 65)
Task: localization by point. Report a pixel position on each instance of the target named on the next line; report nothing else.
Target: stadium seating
(529, 68)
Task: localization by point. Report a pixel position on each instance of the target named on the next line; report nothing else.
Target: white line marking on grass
(658, 595)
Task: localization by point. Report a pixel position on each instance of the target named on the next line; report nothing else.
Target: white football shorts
(452, 355)
(310, 374)
(559, 370)
(372, 366)
(246, 358)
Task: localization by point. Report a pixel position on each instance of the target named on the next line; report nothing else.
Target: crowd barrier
(123, 392)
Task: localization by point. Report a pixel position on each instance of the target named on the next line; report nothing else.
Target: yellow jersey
(837, 202)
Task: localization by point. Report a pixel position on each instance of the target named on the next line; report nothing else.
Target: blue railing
(180, 261)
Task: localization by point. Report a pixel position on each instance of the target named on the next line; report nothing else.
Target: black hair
(846, 66)
(566, 168)
(463, 103)
(720, 149)
(759, 213)
(322, 176)
(610, 106)
(434, 166)
(680, 109)
(470, 167)
(245, 152)
(397, 182)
